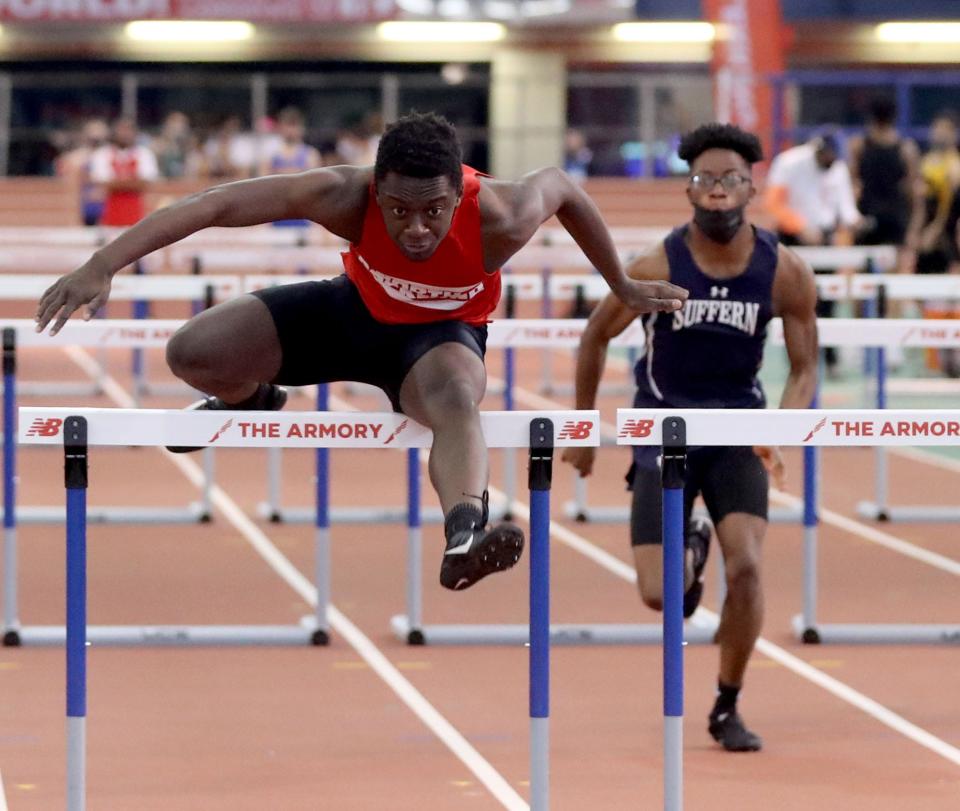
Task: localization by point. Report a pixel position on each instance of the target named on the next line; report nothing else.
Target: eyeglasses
(705, 181)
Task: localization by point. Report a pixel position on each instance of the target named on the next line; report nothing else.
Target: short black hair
(420, 145)
(882, 110)
(720, 136)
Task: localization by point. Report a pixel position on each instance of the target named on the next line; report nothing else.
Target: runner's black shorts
(327, 334)
(731, 480)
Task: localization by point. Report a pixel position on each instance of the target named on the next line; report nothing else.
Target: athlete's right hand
(88, 286)
(651, 296)
(581, 458)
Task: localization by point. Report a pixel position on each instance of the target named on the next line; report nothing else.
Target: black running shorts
(327, 334)
(731, 480)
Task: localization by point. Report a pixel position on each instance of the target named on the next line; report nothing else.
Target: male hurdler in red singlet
(428, 237)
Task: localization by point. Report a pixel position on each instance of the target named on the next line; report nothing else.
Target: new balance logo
(576, 430)
(43, 426)
(636, 428)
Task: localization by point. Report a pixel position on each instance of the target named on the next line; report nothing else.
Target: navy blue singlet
(707, 355)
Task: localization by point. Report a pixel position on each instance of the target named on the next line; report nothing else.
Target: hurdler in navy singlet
(708, 354)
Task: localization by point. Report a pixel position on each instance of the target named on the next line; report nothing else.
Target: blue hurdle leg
(75, 451)
(541, 462)
(674, 479)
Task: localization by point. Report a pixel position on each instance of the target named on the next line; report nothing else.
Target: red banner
(252, 10)
(749, 48)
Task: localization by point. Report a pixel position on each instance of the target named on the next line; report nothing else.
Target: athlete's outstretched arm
(550, 192)
(606, 322)
(323, 195)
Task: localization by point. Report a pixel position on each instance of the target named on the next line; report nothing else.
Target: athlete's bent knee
(742, 576)
(456, 399)
(185, 354)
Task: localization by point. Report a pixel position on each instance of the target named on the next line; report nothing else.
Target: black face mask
(720, 226)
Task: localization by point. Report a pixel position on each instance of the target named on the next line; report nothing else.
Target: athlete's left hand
(773, 462)
(651, 296)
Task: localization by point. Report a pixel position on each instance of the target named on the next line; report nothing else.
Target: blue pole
(540, 476)
(414, 551)
(539, 603)
(141, 309)
(810, 519)
(75, 481)
(673, 601)
(321, 634)
(673, 479)
(10, 620)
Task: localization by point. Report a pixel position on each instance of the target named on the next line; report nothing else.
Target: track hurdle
(809, 429)
(77, 429)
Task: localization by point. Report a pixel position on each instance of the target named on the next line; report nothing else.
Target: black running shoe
(472, 554)
(267, 398)
(698, 542)
(727, 729)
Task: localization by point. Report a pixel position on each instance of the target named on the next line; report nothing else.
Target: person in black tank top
(885, 169)
(707, 355)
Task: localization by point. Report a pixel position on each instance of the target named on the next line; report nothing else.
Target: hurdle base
(621, 515)
(916, 514)
(517, 635)
(191, 514)
(358, 515)
(174, 635)
(12, 638)
(877, 633)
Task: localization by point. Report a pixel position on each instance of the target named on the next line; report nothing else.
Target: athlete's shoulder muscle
(335, 197)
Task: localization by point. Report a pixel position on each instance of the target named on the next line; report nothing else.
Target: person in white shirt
(809, 193)
(124, 169)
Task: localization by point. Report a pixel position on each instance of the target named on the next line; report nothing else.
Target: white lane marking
(378, 662)
(834, 519)
(875, 536)
(806, 671)
(3, 795)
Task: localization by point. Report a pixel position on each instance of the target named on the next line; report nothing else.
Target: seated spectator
(75, 165)
(176, 147)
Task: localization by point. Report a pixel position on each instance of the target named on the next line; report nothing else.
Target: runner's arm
(550, 192)
(795, 300)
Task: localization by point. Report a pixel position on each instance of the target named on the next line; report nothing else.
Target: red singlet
(450, 285)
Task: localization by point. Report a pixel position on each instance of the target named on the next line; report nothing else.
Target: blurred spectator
(176, 147)
(124, 169)
(290, 153)
(577, 156)
(229, 154)
(810, 195)
(885, 168)
(936, 236)
(357, 143)
(940, 179)
(75, 165)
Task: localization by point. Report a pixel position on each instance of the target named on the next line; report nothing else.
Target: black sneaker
(267, 398)
(727, 729)
(472, 554)
(698, 542)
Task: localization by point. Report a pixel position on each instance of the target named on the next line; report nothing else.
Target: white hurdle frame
(75, 429)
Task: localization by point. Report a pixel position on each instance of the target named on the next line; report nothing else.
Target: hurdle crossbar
(76, 429)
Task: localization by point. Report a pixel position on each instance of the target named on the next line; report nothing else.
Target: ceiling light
(411, 31)
(189, 30)
(664, 32)
(919, 32)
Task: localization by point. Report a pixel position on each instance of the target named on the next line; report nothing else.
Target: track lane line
(3, 795)
(415, 701)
